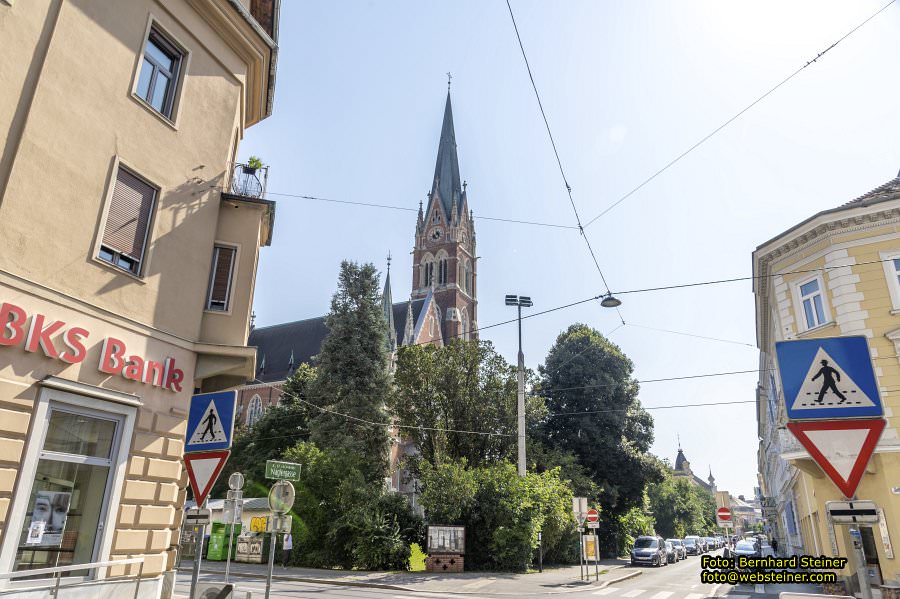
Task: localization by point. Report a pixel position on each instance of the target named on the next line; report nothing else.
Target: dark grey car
(649, 551)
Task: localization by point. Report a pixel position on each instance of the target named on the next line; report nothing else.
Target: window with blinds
(220, 278)
(128, 218)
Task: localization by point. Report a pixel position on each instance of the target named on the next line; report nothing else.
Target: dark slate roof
(276, 343)
(446, 168)
(680, 460)
(303, 339)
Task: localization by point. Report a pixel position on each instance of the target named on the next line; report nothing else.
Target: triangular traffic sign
(209, 429)
(827, 385)
(203, 469)
(841, 448)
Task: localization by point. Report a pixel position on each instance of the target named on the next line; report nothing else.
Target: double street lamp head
(519, 300)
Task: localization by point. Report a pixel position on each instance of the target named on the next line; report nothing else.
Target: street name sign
(282, 470)
(210, 421)
(841, 448)
(203, 469)
(197, 516)
(828, 378)
(593, 525)
(852, 512)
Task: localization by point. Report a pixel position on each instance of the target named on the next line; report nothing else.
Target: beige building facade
(835, 274)
(128, 257)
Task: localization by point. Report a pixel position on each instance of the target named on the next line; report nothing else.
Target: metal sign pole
(596, 556)
(230, 529)
(861, 573)
(272, 563)
(200, 532)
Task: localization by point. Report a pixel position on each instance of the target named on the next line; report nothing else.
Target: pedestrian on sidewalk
(286, 547)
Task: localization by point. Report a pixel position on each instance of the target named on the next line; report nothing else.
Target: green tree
(585, 372)
(282, 426)
(352, 382)
(462, 386)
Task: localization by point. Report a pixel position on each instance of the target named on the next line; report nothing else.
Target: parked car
(680, 552)
(710, 543)
(691, 546)
(671, 554)
(701, 546)
(746, 548)
(649, 551)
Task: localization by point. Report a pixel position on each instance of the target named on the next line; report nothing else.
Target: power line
(694, 335)
(735, 117)
(408, 209)
(562, 171)
(673, 406)
(659, 380)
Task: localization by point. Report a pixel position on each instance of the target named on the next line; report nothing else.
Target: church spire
(387, 305)
(446, 169)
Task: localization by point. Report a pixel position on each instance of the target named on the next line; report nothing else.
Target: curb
(392, 587)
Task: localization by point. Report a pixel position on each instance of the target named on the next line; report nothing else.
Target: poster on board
(48, 518)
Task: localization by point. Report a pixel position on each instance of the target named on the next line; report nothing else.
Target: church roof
(680, 460)
(446, 169)
(303, 340)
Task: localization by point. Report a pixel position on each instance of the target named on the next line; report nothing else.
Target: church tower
(444, 261)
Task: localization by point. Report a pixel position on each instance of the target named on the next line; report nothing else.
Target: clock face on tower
(436, 234)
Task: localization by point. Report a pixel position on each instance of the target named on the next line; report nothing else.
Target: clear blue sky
(627, 86)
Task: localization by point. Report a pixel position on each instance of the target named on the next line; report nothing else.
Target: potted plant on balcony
(253, 164)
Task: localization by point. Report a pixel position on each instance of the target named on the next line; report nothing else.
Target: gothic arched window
(254, 411)
(468, 277)
(443, 275)
(427, 267)
(464, 325)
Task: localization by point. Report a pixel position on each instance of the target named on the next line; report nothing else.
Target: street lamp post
(520, 301)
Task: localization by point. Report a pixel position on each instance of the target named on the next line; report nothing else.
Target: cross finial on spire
(389, 262)
(465, 184)
(449, 78)
(679, 441)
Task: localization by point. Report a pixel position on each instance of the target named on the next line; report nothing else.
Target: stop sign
(723, 513)
(593, 515)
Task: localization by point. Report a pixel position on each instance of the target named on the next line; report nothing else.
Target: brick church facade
(442, 304)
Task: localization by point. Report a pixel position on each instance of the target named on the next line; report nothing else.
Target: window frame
(892, 277)
(170, 43)
(232, 273)
(91, 401)
(799, 308)
(256, 416)
(144, 261)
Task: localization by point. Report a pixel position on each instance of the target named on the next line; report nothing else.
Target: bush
(341, 521)
(502, 513)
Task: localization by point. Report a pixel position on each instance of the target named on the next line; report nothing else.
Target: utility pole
(520, 301)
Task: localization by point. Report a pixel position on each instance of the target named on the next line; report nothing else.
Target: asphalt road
(675, 581)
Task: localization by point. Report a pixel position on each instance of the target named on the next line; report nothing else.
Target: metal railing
(247, 181)
(57, 571)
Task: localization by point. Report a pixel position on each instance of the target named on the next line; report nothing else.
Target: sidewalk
(550, 581)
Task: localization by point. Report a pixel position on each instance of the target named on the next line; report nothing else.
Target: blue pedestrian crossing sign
(828, 378)
(210, 421)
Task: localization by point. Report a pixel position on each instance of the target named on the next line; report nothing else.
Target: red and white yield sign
(723, 514)
(593, 515)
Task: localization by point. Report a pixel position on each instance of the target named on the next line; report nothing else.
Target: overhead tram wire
(562, 171)
(704, 139)
(408, 209)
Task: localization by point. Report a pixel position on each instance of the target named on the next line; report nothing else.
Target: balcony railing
(248, 182)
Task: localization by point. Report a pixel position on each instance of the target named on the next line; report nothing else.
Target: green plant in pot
(253, 164)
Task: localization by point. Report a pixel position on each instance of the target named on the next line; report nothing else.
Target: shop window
(69, 492)
(217, 299)
(128, 218)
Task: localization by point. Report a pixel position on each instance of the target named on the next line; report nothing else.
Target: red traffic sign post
(723, 514)
(841, 448)
(203, 469)
(593, 515)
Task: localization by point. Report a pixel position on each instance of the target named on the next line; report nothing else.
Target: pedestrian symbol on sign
(828, 375)
(827, 385)
(210, 429)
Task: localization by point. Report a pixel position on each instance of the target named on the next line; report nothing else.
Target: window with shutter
(220, 278)
(128, 219)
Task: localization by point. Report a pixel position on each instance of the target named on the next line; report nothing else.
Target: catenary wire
(733, 118)
(408, 209)
(562, 171)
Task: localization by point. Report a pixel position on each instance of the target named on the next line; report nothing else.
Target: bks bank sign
(38, 332)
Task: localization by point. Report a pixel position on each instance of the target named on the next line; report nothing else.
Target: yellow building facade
(129, 242)
(835, 274)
